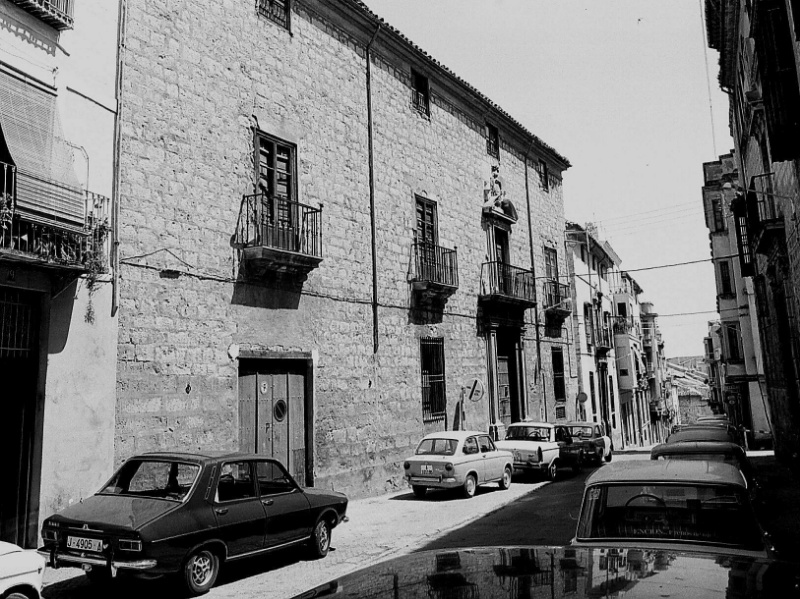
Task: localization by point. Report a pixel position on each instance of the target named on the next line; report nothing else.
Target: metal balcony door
(428, 239)
(501, 256)
(272, 418)
(19, 357)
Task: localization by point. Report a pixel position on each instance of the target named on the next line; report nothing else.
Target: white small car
(541, 447)
(21, 572)
(453, 459)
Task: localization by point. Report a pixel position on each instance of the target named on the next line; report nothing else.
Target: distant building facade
(58, 331)
(329, 244)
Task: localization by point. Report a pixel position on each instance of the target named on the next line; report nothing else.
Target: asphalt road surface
(547, 516)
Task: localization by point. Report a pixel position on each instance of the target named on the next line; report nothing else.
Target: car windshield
(583, 432)
(527, 433)
(158, 479)
(437, 447)
(713, 514)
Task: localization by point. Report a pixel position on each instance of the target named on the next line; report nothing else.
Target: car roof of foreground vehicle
(683, 447)
(456, 435)
(532, 423)
(668, 471)
(199, 457)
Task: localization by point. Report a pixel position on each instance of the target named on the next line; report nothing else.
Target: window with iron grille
(544, 176)
(726, 287)
(434, 392)
(492, 141)
(561, 412)
(559, 384)
(588, 323)
(278, 11)
(420, 93)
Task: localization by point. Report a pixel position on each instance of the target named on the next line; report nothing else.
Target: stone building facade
(57, 326)
(329, 244)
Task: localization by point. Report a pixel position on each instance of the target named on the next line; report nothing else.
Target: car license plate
(427, 469)
(85, 544)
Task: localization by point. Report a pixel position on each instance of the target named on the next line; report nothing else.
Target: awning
(31, 128)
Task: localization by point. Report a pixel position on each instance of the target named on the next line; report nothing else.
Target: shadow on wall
(270, 291)
(61, 308)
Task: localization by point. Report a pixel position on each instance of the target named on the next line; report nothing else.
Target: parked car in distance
(541, 447)
(703, 433)
(719, 451)
(457, 459)
(675, 504)
(589, 436)
(21, 572)
(182, 513)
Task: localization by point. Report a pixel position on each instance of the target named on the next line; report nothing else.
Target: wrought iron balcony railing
(279, 224)
(555, 295)
(34, 239)
(764, 208)
(56, 13)
(622, 325)
(603, 338)
(419, 100)
(435, 264)
(505, 282)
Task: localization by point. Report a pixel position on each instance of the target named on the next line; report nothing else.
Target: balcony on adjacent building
(623, 325)
(764, 211)
(40, 239)
(56, 13)
(279, 236)
(603, 339)
(506, 284)
(556, 298)
(435, 273)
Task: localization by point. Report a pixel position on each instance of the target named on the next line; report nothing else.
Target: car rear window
(527, 433)
(158, 479)
(583, 432)
(728, 458)
(713, 514)
(437, 447)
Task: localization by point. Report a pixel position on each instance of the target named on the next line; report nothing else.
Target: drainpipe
(118, 95)
(373, 226)
(533, 271)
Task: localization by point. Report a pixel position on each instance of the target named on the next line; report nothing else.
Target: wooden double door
(273, 412)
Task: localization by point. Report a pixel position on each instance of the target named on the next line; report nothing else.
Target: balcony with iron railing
(555, 298)
(764, 211)
(279, 235)
(37, 239)
(623, 325)
(603, 339)
(420, 102)
(503, 283)
(56, 13)
(435, 273)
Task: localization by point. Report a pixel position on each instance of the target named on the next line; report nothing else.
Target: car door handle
(221, 511)
(267, 501)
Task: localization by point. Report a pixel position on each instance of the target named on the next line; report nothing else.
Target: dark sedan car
(165, 513)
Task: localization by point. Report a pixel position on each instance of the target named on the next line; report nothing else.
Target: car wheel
(419, 491)
(505, 482)
(200, 571)
(470, 486)
(552, 470)
(321, 539)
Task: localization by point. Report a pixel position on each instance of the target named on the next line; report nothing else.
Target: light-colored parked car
(683, 505)
(589, 435)
(452, 459)
(21, 572)
(541, 447)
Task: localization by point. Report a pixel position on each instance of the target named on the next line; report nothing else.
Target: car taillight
(406, 465)
(49, 535)
(130, 545)
(448, 466)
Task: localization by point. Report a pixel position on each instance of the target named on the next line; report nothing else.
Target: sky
(626, 90)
